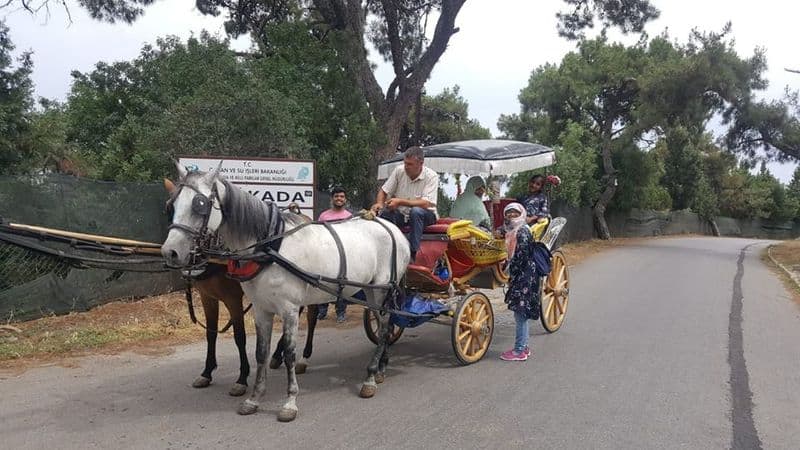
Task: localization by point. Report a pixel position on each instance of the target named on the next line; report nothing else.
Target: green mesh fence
(19, 266)
(33, 284)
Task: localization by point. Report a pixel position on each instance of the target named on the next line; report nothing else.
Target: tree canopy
(628, 122)
(396, 28)
(16, 101)
(198, 97)
(127, 120)
(656, 94)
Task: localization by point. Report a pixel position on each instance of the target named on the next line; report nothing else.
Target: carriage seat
(432, 247)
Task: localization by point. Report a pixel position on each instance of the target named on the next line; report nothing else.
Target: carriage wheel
(555, 294)
(371, 328)
(473, 327)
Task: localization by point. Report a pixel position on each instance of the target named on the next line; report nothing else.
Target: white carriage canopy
(484, 157)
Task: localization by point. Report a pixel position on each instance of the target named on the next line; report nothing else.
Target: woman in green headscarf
(469, 204)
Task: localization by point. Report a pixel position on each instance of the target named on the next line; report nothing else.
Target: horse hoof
(237, 390)
(201, 382)
(274, 363)
(247, 408)
(380, 378)
(287, 415)
(300, 368)
(367, 391)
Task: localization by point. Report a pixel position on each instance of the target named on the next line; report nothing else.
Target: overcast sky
(499, 43)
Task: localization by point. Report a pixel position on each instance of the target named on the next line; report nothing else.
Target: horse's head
(196, 201)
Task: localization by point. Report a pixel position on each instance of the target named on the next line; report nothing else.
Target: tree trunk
(389, 109)
(418, 120)
(610, 177)
(392, 128)
(599, 209)
(714, 227)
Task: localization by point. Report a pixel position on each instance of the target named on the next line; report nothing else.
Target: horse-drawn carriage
(457, 258)
(293, 263)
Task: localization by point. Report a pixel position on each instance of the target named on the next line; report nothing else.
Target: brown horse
(215, 288)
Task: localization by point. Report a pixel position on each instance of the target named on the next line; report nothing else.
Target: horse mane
(247, 215)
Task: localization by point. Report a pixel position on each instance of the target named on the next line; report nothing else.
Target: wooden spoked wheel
(371, 328)
(473, 327)
(555, 294)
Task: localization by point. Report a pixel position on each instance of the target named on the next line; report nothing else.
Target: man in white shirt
(411, 191)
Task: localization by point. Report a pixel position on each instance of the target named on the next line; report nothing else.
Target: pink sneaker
(513, 355)
(528, 351)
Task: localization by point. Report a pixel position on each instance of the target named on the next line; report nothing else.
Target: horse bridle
(202, 206)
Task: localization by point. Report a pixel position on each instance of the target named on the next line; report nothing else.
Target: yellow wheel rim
(473, 328)
(555, 294)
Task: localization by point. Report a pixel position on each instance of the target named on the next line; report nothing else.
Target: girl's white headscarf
(512, 227)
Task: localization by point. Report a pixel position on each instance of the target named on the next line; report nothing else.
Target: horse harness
(322, 282)
(266, 253)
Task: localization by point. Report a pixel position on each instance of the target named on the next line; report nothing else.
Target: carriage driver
(412, 191)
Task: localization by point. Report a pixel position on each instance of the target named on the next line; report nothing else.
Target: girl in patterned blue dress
(523, 282)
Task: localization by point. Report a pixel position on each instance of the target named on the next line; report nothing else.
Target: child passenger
(523, 283)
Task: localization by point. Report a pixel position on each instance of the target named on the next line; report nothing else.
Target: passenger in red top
(336, 212)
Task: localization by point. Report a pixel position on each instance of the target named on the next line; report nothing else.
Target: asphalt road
(674, 343)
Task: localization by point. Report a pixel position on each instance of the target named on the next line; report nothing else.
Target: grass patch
(787, 253)
(36, 343)
(117, 325)
(63, 341)
(144, 326)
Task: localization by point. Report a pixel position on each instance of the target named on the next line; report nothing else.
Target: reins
(190, 304)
